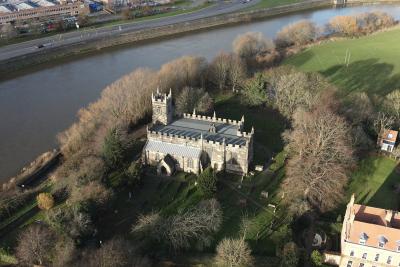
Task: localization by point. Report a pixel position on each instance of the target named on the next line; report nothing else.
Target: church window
(190, 163)
(233, 158)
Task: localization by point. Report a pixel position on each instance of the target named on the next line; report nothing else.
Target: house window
(363, 238)
(349, 263)
(352, 253)
(364, 256)
(376, 257)
(190, 163)
(389, 260)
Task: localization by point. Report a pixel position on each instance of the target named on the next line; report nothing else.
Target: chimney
(388, 217)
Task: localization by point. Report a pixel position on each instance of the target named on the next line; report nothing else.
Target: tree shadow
(370, 76)
(302, 58)
(386, 196)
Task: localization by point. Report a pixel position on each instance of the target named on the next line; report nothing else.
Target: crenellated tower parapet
(162, 107)
(214, 118)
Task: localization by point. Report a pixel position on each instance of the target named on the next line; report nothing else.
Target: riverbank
(98, 43)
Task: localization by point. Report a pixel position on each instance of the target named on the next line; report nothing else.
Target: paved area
(26, 48)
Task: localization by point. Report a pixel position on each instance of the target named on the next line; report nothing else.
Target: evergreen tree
(113, 148)
(207, 182)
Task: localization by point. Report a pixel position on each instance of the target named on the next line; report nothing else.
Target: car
(40, 46)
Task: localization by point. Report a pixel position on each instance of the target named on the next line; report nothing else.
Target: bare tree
(205, 104)
(35, 245)
(392, 103)
(383, 121)
(320, 157)
(93, 191)
(233, 252)
(250, 44)
(116, 252)
(299, 33)
(193, 98)
(181, 72)
(372, 21)
(344, 25)
(236, 72)
(358, 107)
(65, 253)
(193, 227)
(7, 31)
(219, 70)
(290, 89)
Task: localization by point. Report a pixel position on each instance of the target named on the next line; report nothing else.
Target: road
(83, 35)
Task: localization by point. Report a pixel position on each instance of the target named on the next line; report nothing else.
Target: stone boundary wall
(34, 172)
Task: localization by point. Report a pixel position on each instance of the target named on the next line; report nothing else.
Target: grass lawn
(157, 16)
(268, 124)
(374, 62)
(272, 3)
(373, 183)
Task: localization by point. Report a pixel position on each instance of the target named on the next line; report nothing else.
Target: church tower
(162, 107)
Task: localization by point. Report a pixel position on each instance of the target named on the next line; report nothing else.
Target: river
(38, 104)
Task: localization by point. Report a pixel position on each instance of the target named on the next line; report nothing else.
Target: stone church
(191, 143)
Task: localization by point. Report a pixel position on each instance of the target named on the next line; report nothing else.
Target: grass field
(268, 124)
(374, 65)
(374, 182)
(271, 3)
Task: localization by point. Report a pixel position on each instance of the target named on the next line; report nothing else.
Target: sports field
(370, 64)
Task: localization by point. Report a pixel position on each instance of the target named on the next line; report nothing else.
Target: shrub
(290, 255)
(250, 44)
(316, 258)
(45, 201)
(299, 33)
(71, 221)
(134, 174)
(207, 182)
(233, 252)
(7, 258)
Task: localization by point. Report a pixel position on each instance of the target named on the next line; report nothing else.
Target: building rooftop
(4, 9)
(389, 135)
(23, 6)
(43, 3)
(375, 227)
(211, 131)
(174, 149)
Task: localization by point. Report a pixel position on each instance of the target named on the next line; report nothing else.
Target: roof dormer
(382, 240)
(363, 238)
